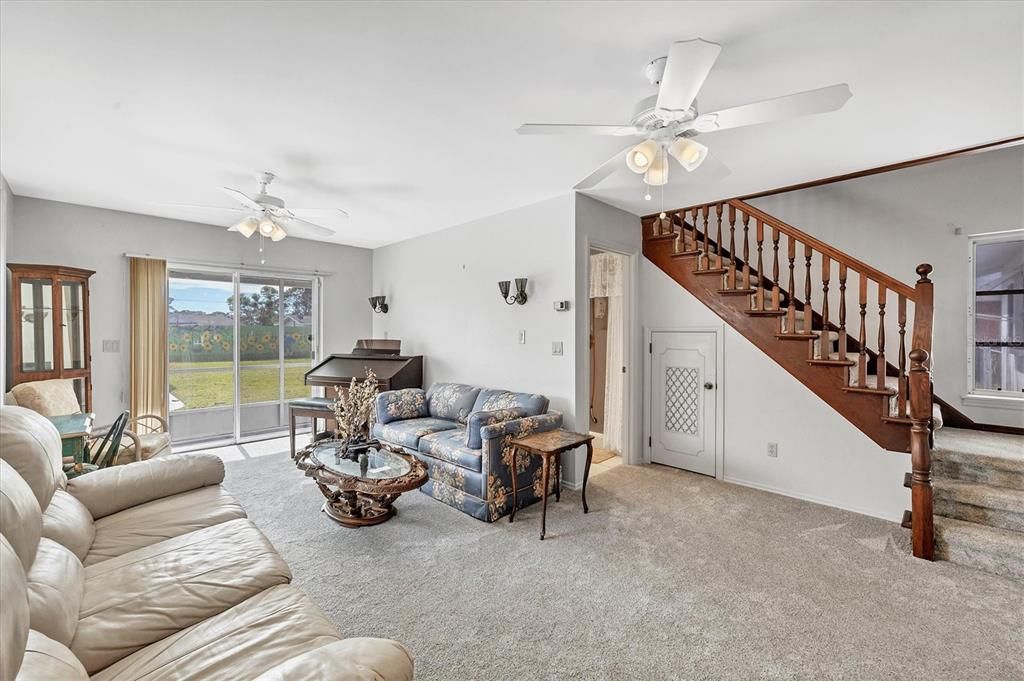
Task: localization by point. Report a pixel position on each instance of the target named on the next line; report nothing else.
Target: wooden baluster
(791, 306)
(732, 246)
(842, 312)
(718, 237)
(880, 360)
(862, 364)
(746, 252)
(776, 291)
(808, 309)
(694, 212)
(901, 400)
(707, 239)
(759, 297)
(824, 344)
(679, 243)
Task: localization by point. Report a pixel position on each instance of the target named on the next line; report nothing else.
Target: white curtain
(606, 281)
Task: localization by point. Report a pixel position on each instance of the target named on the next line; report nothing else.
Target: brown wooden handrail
(852, 263)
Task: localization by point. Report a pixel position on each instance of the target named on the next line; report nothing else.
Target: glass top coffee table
(361, 491)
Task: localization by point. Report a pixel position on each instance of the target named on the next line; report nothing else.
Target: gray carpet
(670, 576)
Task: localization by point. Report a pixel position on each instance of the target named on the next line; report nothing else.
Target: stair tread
(993, 549)
(980, 494)
(981, 448)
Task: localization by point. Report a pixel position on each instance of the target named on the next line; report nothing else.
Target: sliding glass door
(238, 348)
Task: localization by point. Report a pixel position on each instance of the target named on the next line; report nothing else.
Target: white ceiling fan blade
(242, 198)
(296, 227)
(192, 206)
(605, 171)
(573, 129)
(320, 211)
(806, 103)
(689, 63)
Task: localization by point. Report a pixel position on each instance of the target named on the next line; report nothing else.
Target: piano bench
(311, 407)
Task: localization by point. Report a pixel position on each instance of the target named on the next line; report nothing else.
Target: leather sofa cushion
(53, 397)
(67, 521)
(20, 518)
(31, 444)
(490, 400)
(114, 489)
(241, 643)
(453, 401)
(48, 660)
(162, 519)
(145, 595)
(13, 613)
(351, 659)
(408, 433)
(55, 584)
(450, 446)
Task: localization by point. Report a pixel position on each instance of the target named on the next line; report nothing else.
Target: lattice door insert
(682, 399)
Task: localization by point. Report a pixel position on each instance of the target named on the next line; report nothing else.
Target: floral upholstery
(450, 446)
(452, 401)
(394, 405)
(477, 481)
(490, 400)
(408, 433)
(479, 419)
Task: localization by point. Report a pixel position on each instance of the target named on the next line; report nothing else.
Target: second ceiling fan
(669, 121)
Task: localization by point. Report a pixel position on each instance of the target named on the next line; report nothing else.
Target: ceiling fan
(669, 120)
(268, 215)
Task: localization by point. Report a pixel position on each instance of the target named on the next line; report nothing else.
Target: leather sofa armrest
(398, 405)
(351, 659)
(109, 490)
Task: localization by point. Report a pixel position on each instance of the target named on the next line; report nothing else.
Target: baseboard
(804, 497)
(574, 486)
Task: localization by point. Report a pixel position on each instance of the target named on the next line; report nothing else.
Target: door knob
(709, 385)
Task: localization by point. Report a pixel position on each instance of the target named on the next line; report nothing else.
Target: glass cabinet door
(36, 319)
(73, 323)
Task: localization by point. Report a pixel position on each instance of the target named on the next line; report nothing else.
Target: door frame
(632, 453)
(719, 332)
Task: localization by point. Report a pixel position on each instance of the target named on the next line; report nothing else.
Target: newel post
(920, 388)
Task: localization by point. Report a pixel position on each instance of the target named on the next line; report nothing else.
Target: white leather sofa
(151, 571)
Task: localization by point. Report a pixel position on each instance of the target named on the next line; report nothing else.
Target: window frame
(982, 396)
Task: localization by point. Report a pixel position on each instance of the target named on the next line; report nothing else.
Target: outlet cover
(111, 346)
(773, 450)
(522, 337)
(556, 348)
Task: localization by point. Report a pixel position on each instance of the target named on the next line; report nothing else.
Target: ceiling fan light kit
(668, 121)
(247, 227)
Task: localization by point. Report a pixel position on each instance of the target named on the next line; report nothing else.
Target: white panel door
(683, 384)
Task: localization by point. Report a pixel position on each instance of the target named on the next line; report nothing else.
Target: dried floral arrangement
(354, 409)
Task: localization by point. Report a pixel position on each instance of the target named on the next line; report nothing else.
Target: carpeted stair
(978, 483)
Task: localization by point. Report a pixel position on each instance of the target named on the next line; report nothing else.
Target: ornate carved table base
(356, 509)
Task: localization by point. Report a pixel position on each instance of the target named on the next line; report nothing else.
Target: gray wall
(6, 216)
(52, 233)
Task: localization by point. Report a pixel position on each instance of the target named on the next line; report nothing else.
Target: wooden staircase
(776, 285)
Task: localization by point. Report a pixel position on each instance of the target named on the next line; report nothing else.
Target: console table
(550, 445)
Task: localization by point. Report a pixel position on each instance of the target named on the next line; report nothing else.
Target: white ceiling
(404, 113)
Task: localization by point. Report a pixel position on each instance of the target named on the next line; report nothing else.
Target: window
(997, 315)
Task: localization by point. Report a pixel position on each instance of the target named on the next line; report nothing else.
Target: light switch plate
(522, 337)
(111, 346)
(556, 348)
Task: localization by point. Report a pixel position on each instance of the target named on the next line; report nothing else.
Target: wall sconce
(520, 296)
(379, 304)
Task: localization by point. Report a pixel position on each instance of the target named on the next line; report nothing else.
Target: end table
(550, 445)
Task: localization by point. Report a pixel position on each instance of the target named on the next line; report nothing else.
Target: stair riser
(983, 474)
(1009, 563)
(992, 517)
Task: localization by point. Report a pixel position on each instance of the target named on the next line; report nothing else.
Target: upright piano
(393, 369)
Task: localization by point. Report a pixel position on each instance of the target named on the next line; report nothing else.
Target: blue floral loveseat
(463, 434)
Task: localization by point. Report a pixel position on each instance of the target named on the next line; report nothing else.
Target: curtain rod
(232, 266)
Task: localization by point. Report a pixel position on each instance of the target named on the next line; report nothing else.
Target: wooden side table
(550, 445)
(74, 430)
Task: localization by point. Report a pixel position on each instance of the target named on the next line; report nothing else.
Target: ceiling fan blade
(689, 63)
(320, 211)
(192, 206)
(242, 198)
(306, 226)
(605, 171)
(573, 129)
(806, 103)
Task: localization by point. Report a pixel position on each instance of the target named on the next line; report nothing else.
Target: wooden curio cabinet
(50, 326)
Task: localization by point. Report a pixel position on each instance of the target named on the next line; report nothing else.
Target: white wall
(6, 216)
(52, 233)
(895, 221)
(442, 289)
(822, 457)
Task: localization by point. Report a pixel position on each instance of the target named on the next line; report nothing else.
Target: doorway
(607, 410)
(239, 345)
(684, 400)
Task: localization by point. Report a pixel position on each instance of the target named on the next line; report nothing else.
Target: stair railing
(908, 392)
